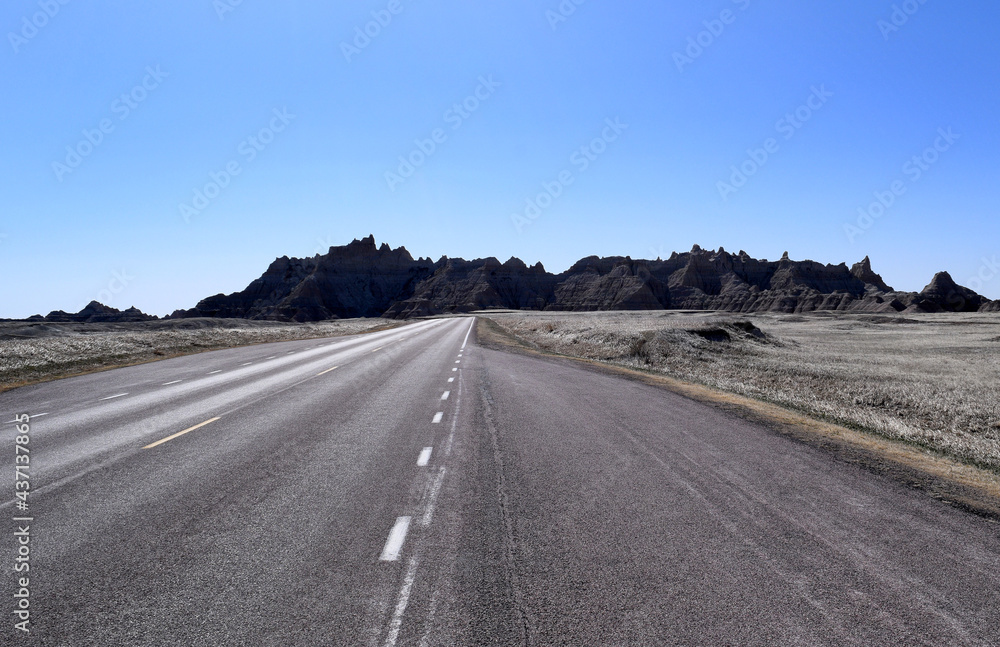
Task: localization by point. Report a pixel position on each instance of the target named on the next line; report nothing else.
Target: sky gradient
(158, 153)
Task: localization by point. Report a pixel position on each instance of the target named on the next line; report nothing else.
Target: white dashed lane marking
(181, 433)
(397, 536)
(444, 396)
(425, 456)
(432, 502)
(112, 397)
(451, 379)
(214, 372)
(437, 417)
(174, 382)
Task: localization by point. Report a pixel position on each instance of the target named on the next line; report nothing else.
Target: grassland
(929, 380)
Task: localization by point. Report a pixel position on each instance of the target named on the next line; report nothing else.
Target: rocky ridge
(94, 312)
(363, 280)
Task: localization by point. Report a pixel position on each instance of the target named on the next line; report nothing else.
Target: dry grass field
(932, 380)
(40, 351)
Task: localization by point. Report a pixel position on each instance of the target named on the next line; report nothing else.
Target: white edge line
(467, 334)
(401, 602)
(394, 543)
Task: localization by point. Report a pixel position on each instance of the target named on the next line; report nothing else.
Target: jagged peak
(514, 261)
(941, 280)
(863, 271)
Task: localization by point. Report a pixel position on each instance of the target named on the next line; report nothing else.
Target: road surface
(409, 487)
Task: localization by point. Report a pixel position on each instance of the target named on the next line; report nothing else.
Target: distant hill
(95, 312)
(361, 279)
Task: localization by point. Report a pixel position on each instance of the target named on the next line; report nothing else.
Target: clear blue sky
(214, 78)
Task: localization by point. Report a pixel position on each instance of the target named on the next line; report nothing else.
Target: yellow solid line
(326, 371)
(180, 433)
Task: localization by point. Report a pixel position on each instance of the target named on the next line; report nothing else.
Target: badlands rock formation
(361, 279)
(95, 312)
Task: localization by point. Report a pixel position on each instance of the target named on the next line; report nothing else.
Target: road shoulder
(941, 477)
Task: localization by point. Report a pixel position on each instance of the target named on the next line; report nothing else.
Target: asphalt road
(428, 491)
